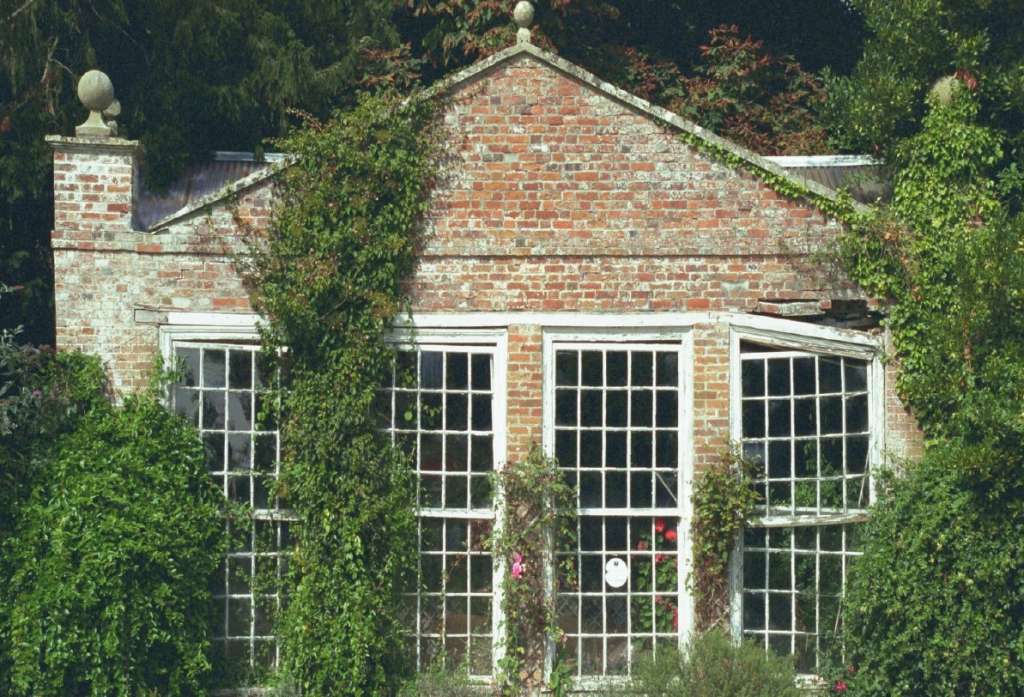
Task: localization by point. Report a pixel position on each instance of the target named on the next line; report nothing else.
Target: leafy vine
(538, 516)
(329, 279)
(723, 499)
(841, 208)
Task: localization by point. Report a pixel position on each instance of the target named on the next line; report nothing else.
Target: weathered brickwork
(904, 439)
(556, 198)
(710, 394)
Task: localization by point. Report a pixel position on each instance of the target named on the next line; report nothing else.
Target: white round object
(95, 90)
(523, 14)
(616, 573)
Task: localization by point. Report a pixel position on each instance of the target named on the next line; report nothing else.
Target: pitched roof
(232, 173)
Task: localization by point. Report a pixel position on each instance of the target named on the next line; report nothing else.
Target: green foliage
(947, 254)
(328, 278)
(712, 666)
(538, 515)
(43, 395)
(440, 680)
(935, 606)
(912, 44)
(723, 498)
(743, 92)
(106, 567)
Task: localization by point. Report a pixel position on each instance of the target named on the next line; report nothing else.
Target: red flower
(659, 525)
(670, 535)
(658, 558)
(839, 687)
(641, 545)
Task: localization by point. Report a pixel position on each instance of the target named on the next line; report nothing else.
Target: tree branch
(25, 5)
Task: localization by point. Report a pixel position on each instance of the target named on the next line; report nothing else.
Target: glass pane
(213, 368)
(481, 372)
(457, 371)
(240, 370)
(753, 378)
(188, 363)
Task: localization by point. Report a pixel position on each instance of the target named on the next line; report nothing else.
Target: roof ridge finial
(523, 16)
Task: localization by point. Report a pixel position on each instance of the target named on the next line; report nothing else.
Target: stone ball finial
(944, 89)
(96, 91)
(523, 16)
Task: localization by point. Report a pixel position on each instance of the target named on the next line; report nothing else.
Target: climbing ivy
(935, 602)
(947, 255)
(841, 207)
(538, 515)
(723, 498)
(328, 277)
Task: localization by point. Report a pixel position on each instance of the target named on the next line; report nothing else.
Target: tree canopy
(911, 44)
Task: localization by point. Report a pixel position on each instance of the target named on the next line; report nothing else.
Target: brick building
(593, 279)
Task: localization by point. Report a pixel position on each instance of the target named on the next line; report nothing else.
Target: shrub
(109, 560)
(440, 681)
(713, 666)
(42, 396)
(936, 605)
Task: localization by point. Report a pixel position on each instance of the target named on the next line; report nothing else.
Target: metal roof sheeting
(198, 181)
(864, 177)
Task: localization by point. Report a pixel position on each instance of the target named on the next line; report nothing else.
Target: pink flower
(658, 558)
(659, 525)
(518, 566)
(670, 535)
(840, 686)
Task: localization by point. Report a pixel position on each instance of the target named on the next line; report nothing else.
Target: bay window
(806, 418)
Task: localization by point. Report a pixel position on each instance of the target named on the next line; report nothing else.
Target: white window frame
(848, 345)
(496, 343)
(232, 333)
(641, 338)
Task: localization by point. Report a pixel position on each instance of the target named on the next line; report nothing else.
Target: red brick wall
(555, 198)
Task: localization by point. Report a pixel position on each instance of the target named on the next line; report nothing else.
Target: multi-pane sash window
(440, 407)
(223, 393)
(805, 419)
(616, 426)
